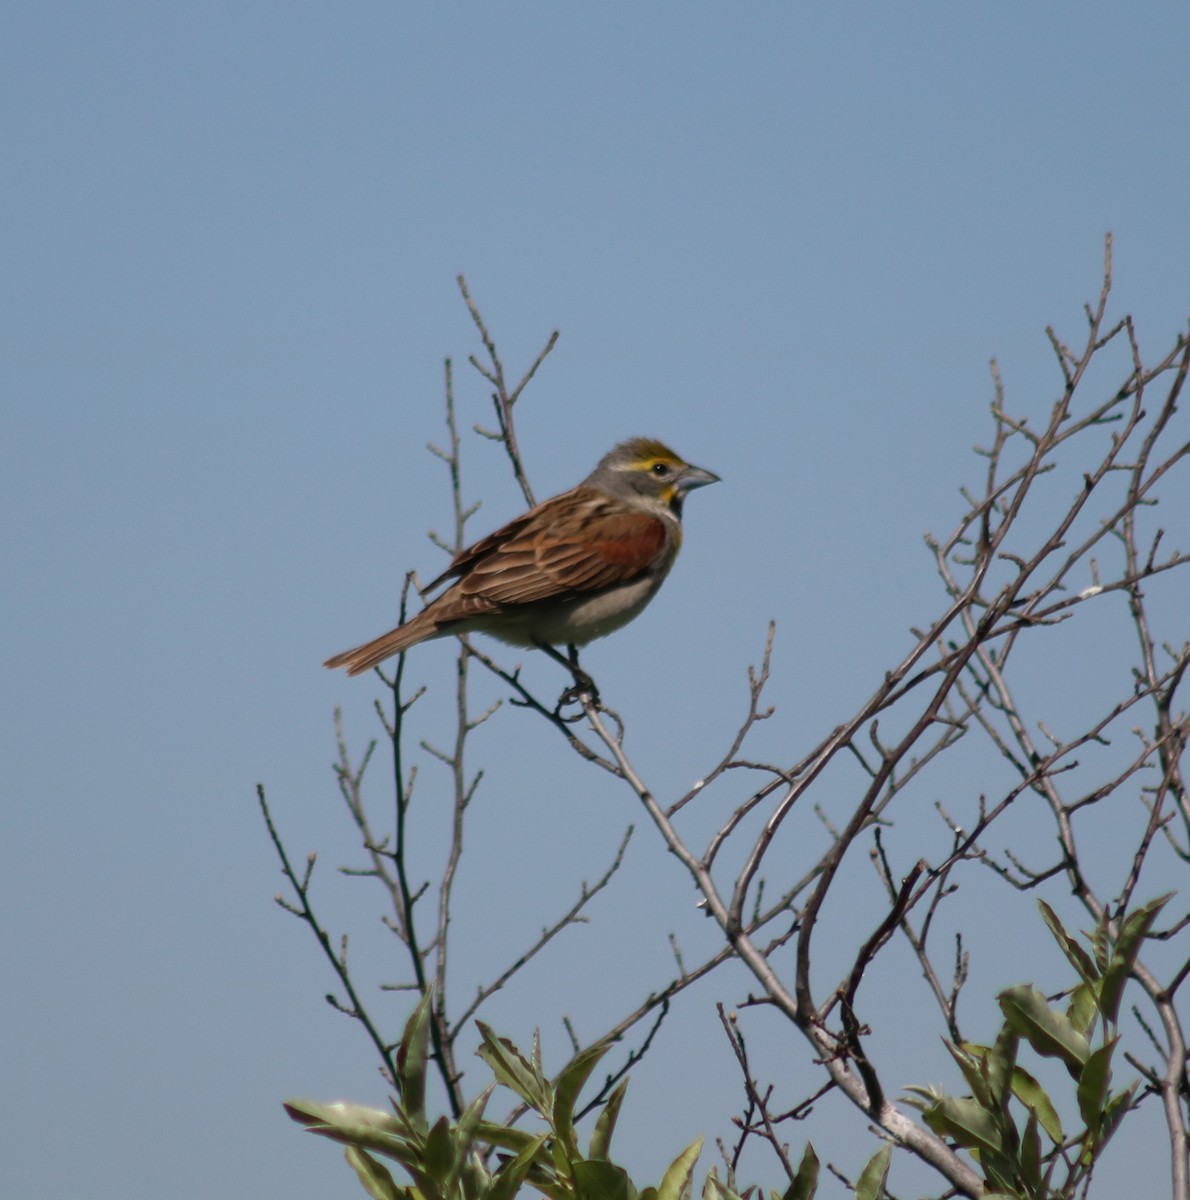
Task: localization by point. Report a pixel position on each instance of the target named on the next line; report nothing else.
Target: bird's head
(644, 469)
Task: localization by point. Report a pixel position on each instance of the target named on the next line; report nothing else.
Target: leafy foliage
(1008, 1123)
(449, 1160)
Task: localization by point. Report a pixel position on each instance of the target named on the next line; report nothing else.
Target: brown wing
(577, 542)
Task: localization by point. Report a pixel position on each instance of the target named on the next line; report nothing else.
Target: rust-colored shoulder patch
(630, 541)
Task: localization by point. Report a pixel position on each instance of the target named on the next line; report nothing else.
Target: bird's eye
(660, 469)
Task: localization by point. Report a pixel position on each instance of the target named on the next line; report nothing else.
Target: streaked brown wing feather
(579, 541)
(466, 559)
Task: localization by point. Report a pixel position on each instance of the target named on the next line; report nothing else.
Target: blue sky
(786, 238)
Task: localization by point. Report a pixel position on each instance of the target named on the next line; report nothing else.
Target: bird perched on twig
(574, 568)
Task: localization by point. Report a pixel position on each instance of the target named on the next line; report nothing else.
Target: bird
(574, 568)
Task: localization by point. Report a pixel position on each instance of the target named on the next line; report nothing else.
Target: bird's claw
(584, 691)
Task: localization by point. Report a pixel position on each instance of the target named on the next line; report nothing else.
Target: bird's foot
(584, 689)
(583, 692)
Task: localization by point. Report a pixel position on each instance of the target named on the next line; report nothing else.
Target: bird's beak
(696, 477)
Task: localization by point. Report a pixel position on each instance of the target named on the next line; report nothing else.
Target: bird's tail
(370, 654)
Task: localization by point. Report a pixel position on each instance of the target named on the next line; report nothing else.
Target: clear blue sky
(785, 237)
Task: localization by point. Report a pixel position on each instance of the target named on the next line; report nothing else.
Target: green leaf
(1133, 930)
(988, 1069)
(472, 1180)
(1000, 1171)
(466, 1130)
(931, 1093)
(1136, 926)
(873, 1177)
(563, 1161)
(1092, 1087)
(967, 1122)
(601, 1180)
(713, 1189)
(505, 1136)
(355, 1125)
(438, 1158)
(1113, 1112)
(805, 1182)
(1111, 991)
(971, 1059)
(1082, 962)
(1030, 1158)
(512, 1174)
(569, 1084)
(308, 1112)
(512, 1069)
(605, 1124)
(1083, 1007)
(1034, 1097)
(411, 1063)
(374, 1176)
(675, 1183)
(407, 1153)
(1000, 1063)
(1047, 1031)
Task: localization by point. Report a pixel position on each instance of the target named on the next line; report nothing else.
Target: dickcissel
(572, 569)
